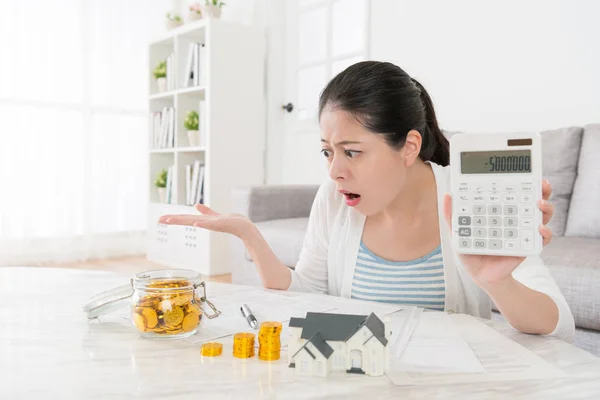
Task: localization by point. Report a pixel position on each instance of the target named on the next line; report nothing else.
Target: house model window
(322, 342)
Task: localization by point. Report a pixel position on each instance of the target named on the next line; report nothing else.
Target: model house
(322, 342)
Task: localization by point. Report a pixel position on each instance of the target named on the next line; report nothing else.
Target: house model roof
(338, 327)
(321, 345)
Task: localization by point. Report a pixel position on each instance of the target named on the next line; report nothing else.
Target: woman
(379, 228)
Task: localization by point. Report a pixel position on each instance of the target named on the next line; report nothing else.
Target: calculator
(496, 184)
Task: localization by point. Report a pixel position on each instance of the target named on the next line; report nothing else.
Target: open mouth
(351, 196)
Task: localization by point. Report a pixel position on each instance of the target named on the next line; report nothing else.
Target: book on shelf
(194, 183)
(163, 128)
(196, 64)
(169, 187)
(170, 72)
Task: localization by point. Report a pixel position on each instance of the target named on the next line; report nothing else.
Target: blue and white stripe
(417, 283)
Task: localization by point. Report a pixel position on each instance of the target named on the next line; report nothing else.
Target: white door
(356, 356)
(323, 37)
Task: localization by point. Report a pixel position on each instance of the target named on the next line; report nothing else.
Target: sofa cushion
(560, 154)
(575, 265)
(285, 236)
(584, 213)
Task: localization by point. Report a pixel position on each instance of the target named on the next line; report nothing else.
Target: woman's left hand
(486, 270)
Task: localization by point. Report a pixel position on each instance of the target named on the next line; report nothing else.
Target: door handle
(288, 107)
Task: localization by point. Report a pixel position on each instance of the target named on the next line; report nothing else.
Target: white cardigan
(330, 248)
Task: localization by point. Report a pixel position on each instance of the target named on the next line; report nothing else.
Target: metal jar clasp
(216, 312)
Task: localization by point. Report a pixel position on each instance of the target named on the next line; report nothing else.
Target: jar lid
(108, 301)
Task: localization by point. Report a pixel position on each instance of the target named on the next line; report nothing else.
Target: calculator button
(510, 188)
(479, 188)
(479, 244)
(510, 221)
(527, 239)
(526, 210)
(465, 198)
(463, 187)
(495, 244)
(479, 221)
(527, 222)
(464, 220)
(464, 243)
(479, 210)
(464, 232)
(479, 232)
(479, 197)
(495, 221)
(510, 210)
(510, 233)
(463, 209)
(526, 198)
(494, 197)
(527, 187)
(511, 244)
(493, 187)
(495, 233)
(494, 210)
(510, 198)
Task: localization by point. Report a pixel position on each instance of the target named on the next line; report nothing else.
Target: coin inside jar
(167, 312)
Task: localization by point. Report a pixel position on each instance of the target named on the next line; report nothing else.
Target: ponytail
(435, 146)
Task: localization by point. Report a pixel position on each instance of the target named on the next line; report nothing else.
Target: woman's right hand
(236, 224)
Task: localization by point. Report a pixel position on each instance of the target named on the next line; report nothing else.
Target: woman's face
(365, 168)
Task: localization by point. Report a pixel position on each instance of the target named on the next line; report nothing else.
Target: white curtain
(73, 129)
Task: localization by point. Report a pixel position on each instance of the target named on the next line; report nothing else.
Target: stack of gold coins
(243, 345)
(269, 341)
(212, 349)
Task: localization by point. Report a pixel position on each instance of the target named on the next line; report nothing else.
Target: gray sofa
(570, 164)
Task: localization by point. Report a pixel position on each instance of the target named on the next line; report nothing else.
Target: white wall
(501, 65)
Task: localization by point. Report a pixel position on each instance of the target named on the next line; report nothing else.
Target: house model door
(323, 37)
(356, 356)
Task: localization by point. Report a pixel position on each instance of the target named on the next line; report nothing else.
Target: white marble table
(48, 349)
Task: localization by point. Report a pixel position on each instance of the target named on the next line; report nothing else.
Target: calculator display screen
(496, 162)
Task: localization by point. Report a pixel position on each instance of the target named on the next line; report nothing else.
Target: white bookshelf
(231, 106)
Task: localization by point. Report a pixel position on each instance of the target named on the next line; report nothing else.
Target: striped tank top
(417, 283)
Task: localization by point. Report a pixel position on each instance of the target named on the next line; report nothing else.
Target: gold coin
(212, 349)
(138, 320)
(270, 326)
(173, 317)
(181, 300)
(150, 317)
(190, 322)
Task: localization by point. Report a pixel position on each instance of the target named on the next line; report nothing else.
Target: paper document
(501, 358)
(436, 346)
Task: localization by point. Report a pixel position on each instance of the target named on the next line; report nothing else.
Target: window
(73, 94)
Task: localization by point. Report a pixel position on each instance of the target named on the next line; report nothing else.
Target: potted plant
(213, 8)
(191, 124)
(161, 185)
(173, 21)
(160, 74)
(194, 12)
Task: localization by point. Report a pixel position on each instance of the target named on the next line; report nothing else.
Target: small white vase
(162, 84)
(193, 16)
(212, 11)
(194, 138)
(162, 194)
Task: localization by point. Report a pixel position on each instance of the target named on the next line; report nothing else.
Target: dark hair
(387, 101)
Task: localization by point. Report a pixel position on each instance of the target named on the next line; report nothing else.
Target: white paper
(502, 359)
(436, 346)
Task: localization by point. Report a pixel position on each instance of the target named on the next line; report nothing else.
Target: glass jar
(163, 304)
